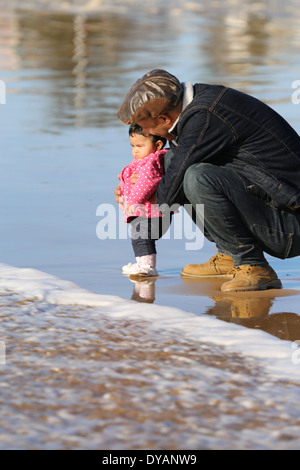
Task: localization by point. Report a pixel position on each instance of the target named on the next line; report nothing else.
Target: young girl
(144, 217)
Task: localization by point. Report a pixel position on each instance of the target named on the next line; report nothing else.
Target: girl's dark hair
(136, 129)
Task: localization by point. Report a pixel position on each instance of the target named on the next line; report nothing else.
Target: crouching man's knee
(197, 179)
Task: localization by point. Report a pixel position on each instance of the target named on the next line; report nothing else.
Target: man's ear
(165, 118)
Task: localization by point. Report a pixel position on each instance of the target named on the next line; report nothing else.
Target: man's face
(158, 126)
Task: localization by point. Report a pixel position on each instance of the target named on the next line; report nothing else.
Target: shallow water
(75, 377)
(67, 69)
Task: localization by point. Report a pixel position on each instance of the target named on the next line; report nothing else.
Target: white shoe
(129, 268)
(139, 270)
(146, 270)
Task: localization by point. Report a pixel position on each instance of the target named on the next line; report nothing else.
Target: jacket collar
(188, 96)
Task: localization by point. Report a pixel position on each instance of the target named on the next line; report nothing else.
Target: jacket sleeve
(125, 180)
(147, 182)
(202, 137)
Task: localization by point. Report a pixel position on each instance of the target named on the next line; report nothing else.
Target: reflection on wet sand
(144, 290)
(247, 309)
(253, 312)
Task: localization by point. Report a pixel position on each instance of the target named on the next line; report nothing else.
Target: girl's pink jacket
(150, 171)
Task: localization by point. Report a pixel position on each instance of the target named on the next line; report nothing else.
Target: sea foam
(279, 358)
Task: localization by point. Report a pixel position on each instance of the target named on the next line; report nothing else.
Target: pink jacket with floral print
(149, 170)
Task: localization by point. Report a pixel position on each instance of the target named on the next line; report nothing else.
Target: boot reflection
(144, 290)
(253, 312)
(240, 306)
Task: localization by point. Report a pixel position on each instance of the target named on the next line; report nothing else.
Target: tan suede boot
(252, 278)
(218, 266)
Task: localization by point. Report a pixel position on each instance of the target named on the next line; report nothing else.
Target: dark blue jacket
(223, 126)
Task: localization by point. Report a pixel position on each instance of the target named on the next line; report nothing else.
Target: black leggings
(145, 232)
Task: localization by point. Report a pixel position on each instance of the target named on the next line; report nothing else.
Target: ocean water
(89, 359)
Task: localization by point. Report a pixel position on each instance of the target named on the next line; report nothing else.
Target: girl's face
(142, 146)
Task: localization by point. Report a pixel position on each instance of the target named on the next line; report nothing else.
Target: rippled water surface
(67, 67)
(76, 377)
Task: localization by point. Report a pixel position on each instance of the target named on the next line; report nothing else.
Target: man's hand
(118, 195)
(118, 192)
(153, 198)
(130, 209)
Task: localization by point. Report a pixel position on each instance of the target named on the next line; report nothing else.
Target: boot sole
(269, 285)
(203, 276)
(144, 277)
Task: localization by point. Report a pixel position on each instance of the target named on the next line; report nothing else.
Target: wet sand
(112, 384)
(275, 311)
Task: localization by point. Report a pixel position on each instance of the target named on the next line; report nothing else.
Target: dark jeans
(145, 232)
(238, 219)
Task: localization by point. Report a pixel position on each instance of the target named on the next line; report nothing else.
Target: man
(239, 158)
